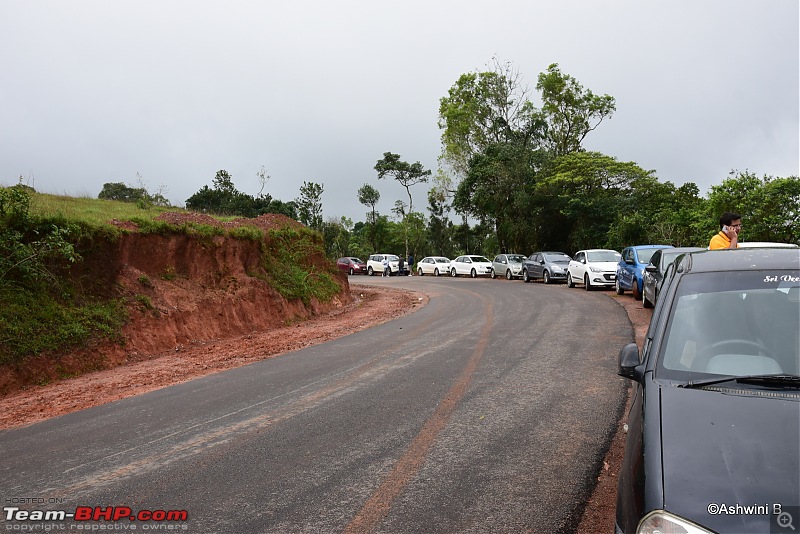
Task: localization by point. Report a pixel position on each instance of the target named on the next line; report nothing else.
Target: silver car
(508, 265)
(549, 266)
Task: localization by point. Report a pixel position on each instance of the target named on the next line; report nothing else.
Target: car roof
(641, 247)
(599, 250)
(746, 259)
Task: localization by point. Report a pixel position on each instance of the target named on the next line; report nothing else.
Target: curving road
(488, 410)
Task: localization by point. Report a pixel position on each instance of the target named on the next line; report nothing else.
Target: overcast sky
(97, 91)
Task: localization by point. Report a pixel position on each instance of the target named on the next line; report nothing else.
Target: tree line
(515, 177)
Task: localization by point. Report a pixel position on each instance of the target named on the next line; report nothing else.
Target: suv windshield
(733, 323)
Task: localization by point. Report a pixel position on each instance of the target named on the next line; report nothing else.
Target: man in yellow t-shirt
(728, 237)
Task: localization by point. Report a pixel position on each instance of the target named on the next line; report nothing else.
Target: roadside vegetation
(45, 237)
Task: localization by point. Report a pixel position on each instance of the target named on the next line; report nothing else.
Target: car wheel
(370, 271)
(351, 271)
(525, 276)
(436, 272)
(646, 303)
(508, 274)
(618, 287)
(492, 275)
(586, 283)
(419, 272)
(637, 294)
(473, 274)
(453, 272)
(570, 281)
(546, 277)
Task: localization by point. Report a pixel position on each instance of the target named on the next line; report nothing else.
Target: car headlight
(595, 269)
(661, 522)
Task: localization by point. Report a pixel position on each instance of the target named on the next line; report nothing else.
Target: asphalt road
(488, 410)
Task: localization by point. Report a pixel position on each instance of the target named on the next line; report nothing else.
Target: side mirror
(630, 261)
(651, 268)
(629, 365)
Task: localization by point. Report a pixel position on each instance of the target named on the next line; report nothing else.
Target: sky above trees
(96, 92)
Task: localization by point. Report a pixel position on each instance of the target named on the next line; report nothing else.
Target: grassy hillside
(46, 239)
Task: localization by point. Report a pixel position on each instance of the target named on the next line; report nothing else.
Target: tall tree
(369, 196)
(572, 111)
(309, 204)
(407, 174)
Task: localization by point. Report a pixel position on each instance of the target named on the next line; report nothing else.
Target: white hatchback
(595, 267)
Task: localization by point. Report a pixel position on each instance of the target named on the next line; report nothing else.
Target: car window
(656, 258)
(479, 258)
(556, 257)
(442, 260)
(646, 254)
(516, 257)
(602, 255)
(737, 324)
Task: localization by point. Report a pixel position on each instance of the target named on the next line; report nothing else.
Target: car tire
(525, 277)
(453, 272)
(635, 290)
(473, 274)
(570, 281)
(509, 276)
(492, 275)
(586, 284)
(370, 271)
(646, 303)
(419, 272)
(436, 272)
(546, 277)
(618, 287)
(351, 272)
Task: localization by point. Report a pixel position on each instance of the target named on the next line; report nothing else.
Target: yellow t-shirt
(720, 241)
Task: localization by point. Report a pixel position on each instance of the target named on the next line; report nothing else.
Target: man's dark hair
(727, 218)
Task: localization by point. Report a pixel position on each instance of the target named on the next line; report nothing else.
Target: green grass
(91, 211)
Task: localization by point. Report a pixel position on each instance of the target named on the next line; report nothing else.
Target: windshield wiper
(774, 379)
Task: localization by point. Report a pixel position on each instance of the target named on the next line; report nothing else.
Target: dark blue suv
(631, 268)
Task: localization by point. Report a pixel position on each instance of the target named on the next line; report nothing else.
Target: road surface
(488, 410)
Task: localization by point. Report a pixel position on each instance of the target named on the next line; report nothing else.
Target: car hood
(720, 448)
(605, 265)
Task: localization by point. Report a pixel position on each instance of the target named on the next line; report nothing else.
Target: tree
(407, 174)
(369, 196)
(572, 111)
(120, 191)
(309, 204)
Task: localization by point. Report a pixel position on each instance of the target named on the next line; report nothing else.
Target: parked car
(351, 265)
(654, 272)
(595, 267)
(434, 265)
(715, 414)
(549, 266)
(375, 264)
(508, 265)
(631, 268)
(470, 265)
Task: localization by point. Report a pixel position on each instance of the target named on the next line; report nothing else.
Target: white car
(375, 264)
(434, 265)
(595, 267)
(471, 265)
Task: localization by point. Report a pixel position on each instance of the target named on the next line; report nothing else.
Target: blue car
(631, 268)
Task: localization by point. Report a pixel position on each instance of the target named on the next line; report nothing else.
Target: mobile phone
(724, 227)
